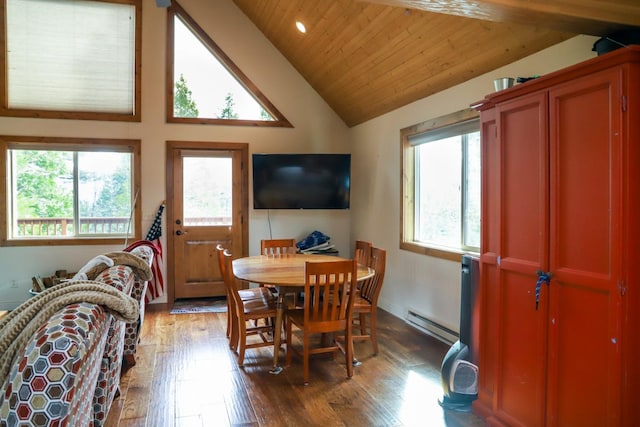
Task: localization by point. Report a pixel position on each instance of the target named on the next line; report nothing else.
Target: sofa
(61, 352)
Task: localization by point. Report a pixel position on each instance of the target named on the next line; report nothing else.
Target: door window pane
(207, 191)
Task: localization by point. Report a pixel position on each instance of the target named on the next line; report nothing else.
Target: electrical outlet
(14, 284)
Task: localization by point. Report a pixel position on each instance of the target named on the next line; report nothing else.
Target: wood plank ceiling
(369, 57)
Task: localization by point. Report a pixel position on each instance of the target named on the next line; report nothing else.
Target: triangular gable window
(206, 86)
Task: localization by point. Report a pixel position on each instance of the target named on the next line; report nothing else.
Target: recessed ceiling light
(300, 26)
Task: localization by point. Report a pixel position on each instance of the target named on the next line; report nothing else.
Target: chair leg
(374, 330)
(234, 332)
(348, 359)
(242, 343)
(283, 333)
(305, 350)
(228, 315)
(363, 324)
(289, 353)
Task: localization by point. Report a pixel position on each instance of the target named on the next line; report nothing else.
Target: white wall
(429, 285)
(316, 129)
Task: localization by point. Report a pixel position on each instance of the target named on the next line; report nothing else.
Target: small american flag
(156, 284)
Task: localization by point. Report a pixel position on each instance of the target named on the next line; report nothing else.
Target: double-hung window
(441, 186)
(69, 191)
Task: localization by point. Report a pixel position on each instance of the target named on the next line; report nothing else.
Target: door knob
(546, 274)
(179, 232)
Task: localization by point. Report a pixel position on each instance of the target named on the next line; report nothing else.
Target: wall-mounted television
(301, 181)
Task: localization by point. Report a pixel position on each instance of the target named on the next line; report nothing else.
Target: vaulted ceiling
(369, 57)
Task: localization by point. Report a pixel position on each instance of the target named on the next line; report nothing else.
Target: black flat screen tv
(301, 181)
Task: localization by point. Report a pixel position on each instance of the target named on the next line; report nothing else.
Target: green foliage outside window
(228, 111)
(183, 103)
(44, 192)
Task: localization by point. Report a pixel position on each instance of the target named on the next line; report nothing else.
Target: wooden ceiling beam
(592, 17)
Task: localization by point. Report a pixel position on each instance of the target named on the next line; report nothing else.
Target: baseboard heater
(436, 330)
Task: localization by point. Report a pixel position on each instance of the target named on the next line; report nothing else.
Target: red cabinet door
(520, 363)
(490, 237)
(585, 244)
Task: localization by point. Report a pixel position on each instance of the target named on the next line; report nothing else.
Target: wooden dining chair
(362, 252)
(248, 314)
(366, 301)
(278, 246)
(328, 308)
(244, 294)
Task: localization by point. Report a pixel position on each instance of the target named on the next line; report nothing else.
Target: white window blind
(71, 55)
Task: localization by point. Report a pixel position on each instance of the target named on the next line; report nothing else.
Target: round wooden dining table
(286, 273)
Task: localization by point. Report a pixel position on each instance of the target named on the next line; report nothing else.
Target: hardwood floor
(186, 376)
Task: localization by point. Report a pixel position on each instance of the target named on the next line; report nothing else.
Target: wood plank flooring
(186, 376)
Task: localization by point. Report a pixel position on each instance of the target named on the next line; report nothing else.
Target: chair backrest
(220, 252)
(279, 246)
(370, 288)
(230, 279)
(328, 301)
(362, 252)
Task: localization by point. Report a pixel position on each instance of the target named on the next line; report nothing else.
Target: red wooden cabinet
(560, 210)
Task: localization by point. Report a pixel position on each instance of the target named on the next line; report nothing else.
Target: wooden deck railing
(31, 227)
(34, 227)
(204, 221)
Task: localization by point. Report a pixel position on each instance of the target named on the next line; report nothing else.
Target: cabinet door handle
(542, 278)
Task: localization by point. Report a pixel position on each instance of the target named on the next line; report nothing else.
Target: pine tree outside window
(206, 86)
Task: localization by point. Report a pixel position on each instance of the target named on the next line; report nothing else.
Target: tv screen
(301, 181)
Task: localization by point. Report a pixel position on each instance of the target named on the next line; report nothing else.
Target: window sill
(68, 242)
(448, 253)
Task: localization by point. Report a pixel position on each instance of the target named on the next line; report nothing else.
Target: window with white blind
(72, 59)
(441, 188)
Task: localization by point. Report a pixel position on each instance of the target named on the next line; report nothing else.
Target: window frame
(74, 115)
(132, 146)
(407, 183)
(176, 11)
